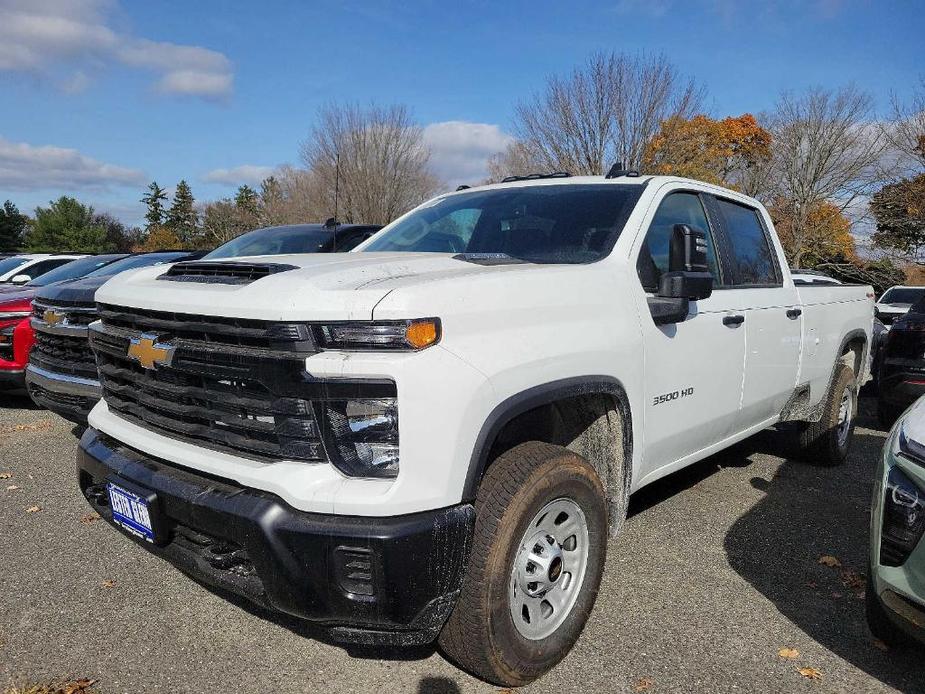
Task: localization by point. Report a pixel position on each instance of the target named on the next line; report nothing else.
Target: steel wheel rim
(844, 417)
(549, 569)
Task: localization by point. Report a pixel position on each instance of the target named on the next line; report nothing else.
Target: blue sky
(101, 96)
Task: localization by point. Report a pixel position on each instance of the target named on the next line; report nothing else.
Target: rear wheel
(535, 566)
(828, 441)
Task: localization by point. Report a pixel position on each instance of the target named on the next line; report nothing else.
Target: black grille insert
(63, 354)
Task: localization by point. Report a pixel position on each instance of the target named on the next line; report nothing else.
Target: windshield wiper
(489, 258)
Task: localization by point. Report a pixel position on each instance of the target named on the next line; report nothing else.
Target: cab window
(752, 262)
(676, 208)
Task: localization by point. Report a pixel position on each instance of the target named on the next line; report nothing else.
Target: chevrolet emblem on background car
(148, 352)
(52, 317)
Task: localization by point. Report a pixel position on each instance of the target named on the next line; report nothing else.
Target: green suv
(896, 587)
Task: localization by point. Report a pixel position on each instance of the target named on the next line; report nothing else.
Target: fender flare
(538, 396)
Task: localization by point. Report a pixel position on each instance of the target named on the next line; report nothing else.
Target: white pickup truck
(433, 436)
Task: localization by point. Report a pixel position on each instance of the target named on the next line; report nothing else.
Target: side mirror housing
(688, 277)
(20, 279)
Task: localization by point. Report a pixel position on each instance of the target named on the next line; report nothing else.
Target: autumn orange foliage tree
(824, 237)
(724, 152)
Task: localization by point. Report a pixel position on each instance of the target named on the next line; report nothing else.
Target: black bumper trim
(255, 545)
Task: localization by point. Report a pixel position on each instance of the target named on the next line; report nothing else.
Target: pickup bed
(431, 437)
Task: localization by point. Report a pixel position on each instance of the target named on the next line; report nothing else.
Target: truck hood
(342, 286)
(79, 291)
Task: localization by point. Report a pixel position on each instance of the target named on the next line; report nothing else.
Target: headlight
(910, 448)
(362, 436)
(392, 335)
(903, 518)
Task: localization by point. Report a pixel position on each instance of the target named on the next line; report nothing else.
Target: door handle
(794, 313)
(733, 320)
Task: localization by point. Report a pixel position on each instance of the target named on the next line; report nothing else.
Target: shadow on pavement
(809, 512)
(16, 400)
(308, 630)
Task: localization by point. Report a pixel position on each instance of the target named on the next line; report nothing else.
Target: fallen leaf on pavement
(5, 475)
(837, 596)
(854, 581)
(788, 653)
(810, 673)
(12, 488)
(829, 560)
(33, 509)
(38, 426)
(880, 645)
(108, 583)
(643, 684)
(77, 686)
(89, 518)
(811, 584)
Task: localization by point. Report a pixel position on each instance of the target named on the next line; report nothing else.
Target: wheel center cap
(539, 564)
(555, 569)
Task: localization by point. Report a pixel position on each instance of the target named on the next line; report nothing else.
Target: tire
(880, 624)
(828, 441)
(514, 506)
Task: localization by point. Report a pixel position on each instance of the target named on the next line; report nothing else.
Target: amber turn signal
(422, 333)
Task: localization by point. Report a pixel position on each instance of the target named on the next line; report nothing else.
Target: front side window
(676, 208)
(541, 224)
(751, 258)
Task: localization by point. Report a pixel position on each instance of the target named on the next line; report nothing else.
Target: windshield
(903, 295)
(73, 270)
(273, 241)
(543, 224)
(8, 264)
(134, 261)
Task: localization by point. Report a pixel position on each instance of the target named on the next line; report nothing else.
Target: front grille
(66, 401)
(75, 313)
(216, 392)
(222, 273)
(63, 354)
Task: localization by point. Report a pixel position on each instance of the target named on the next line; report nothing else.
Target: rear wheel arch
(589, 415)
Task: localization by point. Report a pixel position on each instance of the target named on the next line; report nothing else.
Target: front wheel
(535, 566)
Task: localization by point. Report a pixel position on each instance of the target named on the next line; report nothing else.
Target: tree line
(821, 160)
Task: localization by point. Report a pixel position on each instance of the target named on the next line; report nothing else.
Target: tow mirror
(688, 277)
(20, 279)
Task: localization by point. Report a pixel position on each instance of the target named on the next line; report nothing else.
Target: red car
(16, 338)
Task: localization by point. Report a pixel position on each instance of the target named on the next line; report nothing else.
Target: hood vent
(222, 273)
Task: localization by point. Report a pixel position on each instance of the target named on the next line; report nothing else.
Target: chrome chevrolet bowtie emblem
(52, 317)
(148, 352)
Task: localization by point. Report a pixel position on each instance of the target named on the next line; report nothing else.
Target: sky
(99, 97)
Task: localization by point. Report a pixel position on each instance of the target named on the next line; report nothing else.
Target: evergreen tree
(154, 199)
(247, 203)
(67, 225)
(182, 219)
(12, 227)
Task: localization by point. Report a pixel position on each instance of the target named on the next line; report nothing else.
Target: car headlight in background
(10, 318)
(362, 436)
(903, 518)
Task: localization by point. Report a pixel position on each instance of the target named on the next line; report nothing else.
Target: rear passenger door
(772, 317)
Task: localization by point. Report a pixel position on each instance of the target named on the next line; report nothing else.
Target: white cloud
(460, 150)
(28, 167)
(251, 174)
(69, 40)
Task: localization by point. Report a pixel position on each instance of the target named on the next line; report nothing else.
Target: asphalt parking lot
(717, 571)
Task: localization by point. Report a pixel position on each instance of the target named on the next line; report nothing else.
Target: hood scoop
(222, 273)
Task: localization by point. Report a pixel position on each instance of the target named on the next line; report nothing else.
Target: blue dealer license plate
(131, 512)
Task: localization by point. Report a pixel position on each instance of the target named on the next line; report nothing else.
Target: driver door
(693, 370)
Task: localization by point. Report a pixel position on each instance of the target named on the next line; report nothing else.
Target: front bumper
(367, 580)
(71, 397)
(900, 590)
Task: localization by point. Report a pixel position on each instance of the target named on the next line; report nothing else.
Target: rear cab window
(750, 258)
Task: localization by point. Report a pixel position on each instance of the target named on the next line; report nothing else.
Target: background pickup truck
(431, 437)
